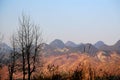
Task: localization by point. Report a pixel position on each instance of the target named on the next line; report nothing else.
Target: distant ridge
(99, 44)
(87, 48)
(58, 47)
(70, 44)
(57, 43)
(115, 47)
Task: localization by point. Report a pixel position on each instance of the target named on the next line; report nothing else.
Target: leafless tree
(20, 43)
(12, 58)
(29, 41)
(1, 54)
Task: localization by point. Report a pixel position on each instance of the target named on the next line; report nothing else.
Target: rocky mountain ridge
(58, 47)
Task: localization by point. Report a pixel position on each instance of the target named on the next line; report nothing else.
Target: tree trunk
(11, 73)
(10, 77)
(29, 72)
(23, 67)
(28, 62)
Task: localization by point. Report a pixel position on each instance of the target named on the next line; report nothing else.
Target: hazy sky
(75, 20)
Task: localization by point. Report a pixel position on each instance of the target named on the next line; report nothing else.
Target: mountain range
(58, 47)
(70, 55)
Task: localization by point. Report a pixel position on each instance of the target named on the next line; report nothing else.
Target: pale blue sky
(75, 20)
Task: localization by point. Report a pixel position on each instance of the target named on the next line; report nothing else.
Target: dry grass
(77, 67)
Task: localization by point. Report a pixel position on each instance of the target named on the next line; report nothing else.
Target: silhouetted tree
(29, 40)
(1, 54)
(12, 59)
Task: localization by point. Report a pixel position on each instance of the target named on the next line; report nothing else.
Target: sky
(86, 21)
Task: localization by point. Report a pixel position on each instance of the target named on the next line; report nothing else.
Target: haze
(75, 20)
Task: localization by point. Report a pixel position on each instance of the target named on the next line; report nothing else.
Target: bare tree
(20, 42)
(12, 59)
(29, 41)
(1, 54)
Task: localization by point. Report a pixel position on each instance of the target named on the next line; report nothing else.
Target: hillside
(65, 59)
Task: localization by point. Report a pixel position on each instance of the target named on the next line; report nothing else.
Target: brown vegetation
(78, 67)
